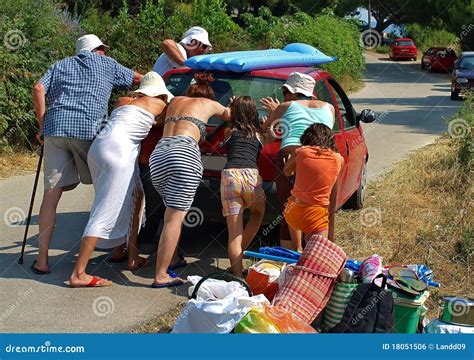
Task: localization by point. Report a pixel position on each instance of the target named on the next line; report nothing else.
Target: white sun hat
(89, 42)
(196, 33)
(153, 85)
(300, 83)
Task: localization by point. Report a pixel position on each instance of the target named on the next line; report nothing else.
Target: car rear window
(226, 85)
(404, 43)
(466, 63)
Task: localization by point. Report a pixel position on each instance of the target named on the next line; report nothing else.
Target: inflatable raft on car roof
(292, 55)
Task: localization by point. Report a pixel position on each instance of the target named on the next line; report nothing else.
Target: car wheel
(356, 201)
(422, 66)
(429, 68)
(454, 94)
(414, 59)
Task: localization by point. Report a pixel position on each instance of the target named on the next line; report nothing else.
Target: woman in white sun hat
(112, 159)
(195, 42)
(299, 110)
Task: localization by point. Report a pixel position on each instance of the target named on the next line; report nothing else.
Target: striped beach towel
(309, 284)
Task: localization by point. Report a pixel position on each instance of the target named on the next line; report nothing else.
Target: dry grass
(163, 324)
(350, 85)
(421, 212)
(425, 207)
(18, 163)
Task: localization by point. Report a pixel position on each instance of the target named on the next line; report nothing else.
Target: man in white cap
(71, 102)
(195, 42)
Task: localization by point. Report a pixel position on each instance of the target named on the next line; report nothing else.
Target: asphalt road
(412, 104)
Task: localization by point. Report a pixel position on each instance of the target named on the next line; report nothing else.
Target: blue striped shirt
(78, 90)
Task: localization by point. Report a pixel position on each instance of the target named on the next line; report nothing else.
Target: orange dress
(317, 170)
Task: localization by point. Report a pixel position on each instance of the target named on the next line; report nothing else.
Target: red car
(262, 83)
(438, 59)
(403, 48)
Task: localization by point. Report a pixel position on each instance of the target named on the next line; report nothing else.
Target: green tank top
(298, 118)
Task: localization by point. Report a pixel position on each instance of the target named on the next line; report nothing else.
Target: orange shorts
(306, 217)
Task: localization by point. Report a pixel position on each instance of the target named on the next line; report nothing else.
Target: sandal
(38, 271)
(95, 282)
(178, 264)
(175, 282)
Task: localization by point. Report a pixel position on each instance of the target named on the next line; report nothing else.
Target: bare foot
(138, 263)
(119, 253)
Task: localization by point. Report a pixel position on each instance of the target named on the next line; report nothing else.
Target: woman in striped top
(176, 166)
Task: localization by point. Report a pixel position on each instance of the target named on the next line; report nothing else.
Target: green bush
(383, 49)
(36, 34)
(426, 37)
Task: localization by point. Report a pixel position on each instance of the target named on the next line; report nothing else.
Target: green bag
(337, 304)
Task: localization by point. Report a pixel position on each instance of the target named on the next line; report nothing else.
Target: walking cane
(32, 201)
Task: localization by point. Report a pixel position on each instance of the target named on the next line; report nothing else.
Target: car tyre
(454, 94)
(422, 66)
(356, 201)
(429, 68)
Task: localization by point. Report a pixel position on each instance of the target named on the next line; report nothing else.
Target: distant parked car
(403, 48)
(463, 74)
(438, 59)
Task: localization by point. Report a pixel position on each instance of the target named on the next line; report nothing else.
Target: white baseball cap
(89, 42)
(196, 33)
(300, 83)
(153, 85)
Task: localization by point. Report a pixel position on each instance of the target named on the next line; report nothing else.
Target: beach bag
(218, 302)
(262, 278)
(308, 284)
(334, 310)
(370, 310)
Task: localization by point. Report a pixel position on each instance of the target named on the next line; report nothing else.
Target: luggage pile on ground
(320, 290)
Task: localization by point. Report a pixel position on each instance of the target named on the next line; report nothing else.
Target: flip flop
(93, 283)
(175, 282)
(179, 264)
(37, 271)
(140, 265)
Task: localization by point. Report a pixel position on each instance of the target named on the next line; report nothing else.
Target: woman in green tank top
(288, 121)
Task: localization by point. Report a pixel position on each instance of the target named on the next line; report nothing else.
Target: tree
(388, 12)
(458, 15)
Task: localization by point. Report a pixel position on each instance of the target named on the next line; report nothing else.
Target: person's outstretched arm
(222, 111)
(137, 78)
(39, 104)
(171, 49)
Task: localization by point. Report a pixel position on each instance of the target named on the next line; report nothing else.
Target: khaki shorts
(65, 163)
